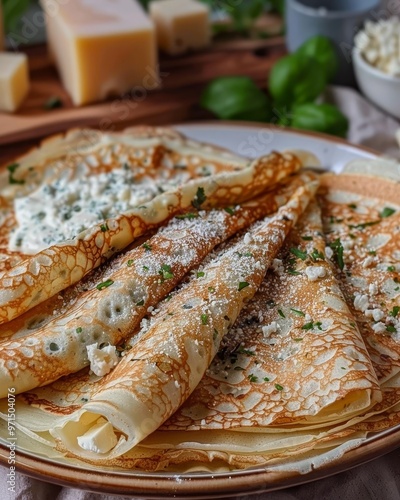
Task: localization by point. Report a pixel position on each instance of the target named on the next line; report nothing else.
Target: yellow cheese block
(182, 25)
(102, 47)
(14, 80)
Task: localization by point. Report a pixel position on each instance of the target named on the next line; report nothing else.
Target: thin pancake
(56, 334)
(161, 370)
(41, 276)
(362, 225)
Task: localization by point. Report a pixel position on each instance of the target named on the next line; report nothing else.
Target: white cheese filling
(60, 211)
(102, 361)
(100, 438)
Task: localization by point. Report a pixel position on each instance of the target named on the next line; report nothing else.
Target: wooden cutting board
(183, 79)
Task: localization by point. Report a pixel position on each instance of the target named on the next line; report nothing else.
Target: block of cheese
(181, 25)
(102, 47)
(14, 80)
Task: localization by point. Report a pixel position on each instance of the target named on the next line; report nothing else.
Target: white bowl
(379, 87)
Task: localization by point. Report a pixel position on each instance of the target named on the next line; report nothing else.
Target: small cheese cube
(102, 47)
(181, 25)
(14, 80)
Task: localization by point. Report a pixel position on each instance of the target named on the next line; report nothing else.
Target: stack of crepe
(225, 323)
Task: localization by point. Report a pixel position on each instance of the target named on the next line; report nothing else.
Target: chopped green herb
(104, 284)
(199, 199)
(299, 253)
(248, 254)
(166, 272)
(53, 103)
(278, 387)
(315, 255)
(79, 329)
(298, 339)
(53, 347)
(130, 262)
(363, 225)
(266, 379)
(230, 210)
(242, 284)
(352, 324)
(296, 311)
(242, 350)
(337, 248)
(147, 246)
(239, 369)
(215, 334)
(12, 168)
(387, 212)
(372, 252)
(280, 312)
(307, 238)
(342, 367)
(200, 274)
(395, 311)
(189, 215)
(211, 289)
(311, 324)
(391, 268)
(140, 303)
(391, 329)
(252, 378)
(104, 227)
(204, 319)
(145, 268)
(187, 306)
(352, 205)
(293, 272)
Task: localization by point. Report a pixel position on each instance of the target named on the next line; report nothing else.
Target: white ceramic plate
(249, 140)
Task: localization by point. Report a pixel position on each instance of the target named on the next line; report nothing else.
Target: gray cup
(338, 20)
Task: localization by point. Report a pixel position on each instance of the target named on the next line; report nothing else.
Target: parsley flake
(280, 312)
(129, 263)
(391, 329)
(189, 215)
(199, 199)
(278, 387)
(204, 319)
(147, 247)
(298, 253)
(79, 329)
(104, 227)
(140, 303)
(104, 284)
(12, 168)
(337, 248)
(307, 238)
(391, 268)
(200, 274)
(296, 311)
(252, 378)
(395, 311)
(242, 284)
(166, 272)
(387, 212)
(229, 210)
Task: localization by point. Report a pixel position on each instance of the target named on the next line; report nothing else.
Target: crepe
(171, 354)
(67, 252)
(362, 226)
(108, 305)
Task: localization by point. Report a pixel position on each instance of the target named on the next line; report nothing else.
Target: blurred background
(309, 64)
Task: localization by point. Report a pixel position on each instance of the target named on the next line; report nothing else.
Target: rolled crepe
(53, 269)
(170, 357)
(50, 340)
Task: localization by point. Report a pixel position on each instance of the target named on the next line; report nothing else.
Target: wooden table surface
(183, 79)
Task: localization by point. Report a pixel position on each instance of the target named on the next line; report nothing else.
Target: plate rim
(151, 485)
